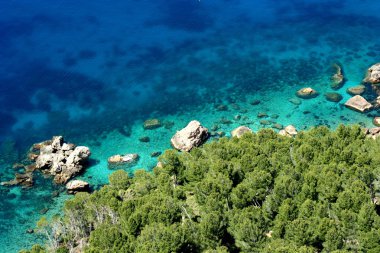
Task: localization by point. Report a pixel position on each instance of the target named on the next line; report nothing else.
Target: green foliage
(259, 193)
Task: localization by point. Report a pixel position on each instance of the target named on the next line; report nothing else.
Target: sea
(94, 71)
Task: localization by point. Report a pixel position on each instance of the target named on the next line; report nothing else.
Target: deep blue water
(94, 70)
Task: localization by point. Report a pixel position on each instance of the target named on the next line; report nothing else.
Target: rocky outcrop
(373, 74)
(358, 103)
(239, 131)
(356, 90)
(122, 161)
(150, 124)
(307, 93)
(54, 157)
(338, 78)
(193, 135)
(289, 131)
(59, 159)
(75, 186)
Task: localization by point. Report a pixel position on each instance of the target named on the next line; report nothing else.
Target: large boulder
(75, 186)
(373, 74)
(358, 103)
(289, 131)
(307, 93)
(193, 135)
(239, 131)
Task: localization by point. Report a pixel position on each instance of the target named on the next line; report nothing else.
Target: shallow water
(94, 72)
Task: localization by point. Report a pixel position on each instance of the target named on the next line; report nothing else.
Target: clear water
(94, 71)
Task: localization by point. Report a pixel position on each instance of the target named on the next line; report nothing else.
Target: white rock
(75, 186)
(358, 103)
(373, 74)
(193, 135)
(239, 131)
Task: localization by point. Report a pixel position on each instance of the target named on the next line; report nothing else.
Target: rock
(255, 102)
(274, 116)
(75, 186)
(193, 135)
(144, 139)
(372, 132)
(333, 97)
(221, 108)
(152, 124)
(262, 115)
(338, 78)
(356, 90)
(239, 131)
(289, 131)
(358, 103)
(117, 161)
(225, 121)
(155, 154)
(264, 122)
(376, 121)
(373, 74)
(168, 124)
(44, 210)
(307, 93)
(277, 126)
(295, 101)
(221, 133)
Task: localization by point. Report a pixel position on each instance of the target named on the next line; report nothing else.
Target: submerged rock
(338, 78)
(373, 74)
(307, 93)
(295, 101)
(23, 179)
(155, 154)
(126, 160)
(255, 102)
(356, 90)
(144, 139)
(333, 97)
(239, 131)
(75, 186)
(277, 126)
(193, 135)
(358, 103)
(152, 124)
(289, 131)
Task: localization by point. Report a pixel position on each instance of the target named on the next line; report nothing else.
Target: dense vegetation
(260, 193)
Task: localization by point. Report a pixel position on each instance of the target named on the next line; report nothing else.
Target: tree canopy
(259, 193)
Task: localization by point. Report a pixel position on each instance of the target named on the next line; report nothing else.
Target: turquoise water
(94, 71)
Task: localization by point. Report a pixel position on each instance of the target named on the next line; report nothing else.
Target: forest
(317, 192)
